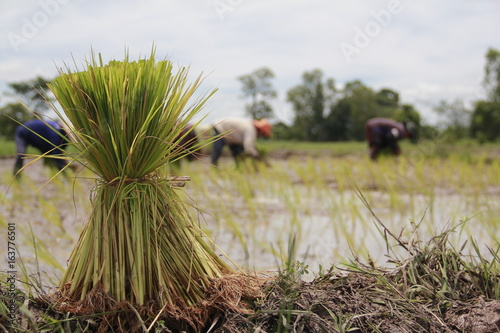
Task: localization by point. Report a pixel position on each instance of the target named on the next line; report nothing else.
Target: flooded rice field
(334, 209)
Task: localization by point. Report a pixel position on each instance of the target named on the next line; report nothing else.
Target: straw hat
(263, 126)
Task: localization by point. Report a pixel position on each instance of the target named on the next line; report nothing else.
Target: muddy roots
(226, 297)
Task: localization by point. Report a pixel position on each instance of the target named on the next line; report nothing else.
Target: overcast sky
(426, 50)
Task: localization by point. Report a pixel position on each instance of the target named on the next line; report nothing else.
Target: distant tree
(358, 104)
(491, 80)
(408, 113)
(11, 116)
(427, 131)
(387, 98)
(282, 131)
(258, 87)
(33, 93)
(311, 101)
(411, 117)
(32, 96)
(339, 121)
(485, 120)
(454, 119)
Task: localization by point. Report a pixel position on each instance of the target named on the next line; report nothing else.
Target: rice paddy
(329, 204)
(317, 207)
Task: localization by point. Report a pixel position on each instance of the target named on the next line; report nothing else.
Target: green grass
(7, 147)
(465, 149)
(314, 148)
(314, 196)
(440, 147)
(251, 215)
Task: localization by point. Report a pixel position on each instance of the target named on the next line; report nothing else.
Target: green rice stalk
(139, 244)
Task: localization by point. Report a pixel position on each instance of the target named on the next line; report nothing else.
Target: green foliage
(4, 310)
(7, 147)
(485, 121)
(387, 98)
(288, 283)
(310, 100)
(259, 89)
(492, 75)
(407, 114)
(438, 271)
(357, 104)
(32, 96)
(324, 113)
(33, 93)
(282, 131)
(11, 116)
(455, 119)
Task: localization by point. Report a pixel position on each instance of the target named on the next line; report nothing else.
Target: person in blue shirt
(47, 136)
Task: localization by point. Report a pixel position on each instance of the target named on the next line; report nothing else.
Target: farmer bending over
(383, 133)
(240, 135)
(47, 136)
(187, 142)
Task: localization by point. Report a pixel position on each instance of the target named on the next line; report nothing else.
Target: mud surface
(52, 214)
(253, 218)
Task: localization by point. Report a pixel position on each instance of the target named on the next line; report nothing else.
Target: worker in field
(49, 137)
(240, 136)
(188, 141)
(186, 145)
(384, 134)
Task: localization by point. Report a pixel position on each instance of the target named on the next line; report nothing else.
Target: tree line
(325, 112)
(322, 110)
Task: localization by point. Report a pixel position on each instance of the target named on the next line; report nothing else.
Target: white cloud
(427, 51)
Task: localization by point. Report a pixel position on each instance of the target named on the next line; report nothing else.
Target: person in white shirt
(240, 135)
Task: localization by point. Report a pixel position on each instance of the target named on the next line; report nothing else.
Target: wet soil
(338, 300)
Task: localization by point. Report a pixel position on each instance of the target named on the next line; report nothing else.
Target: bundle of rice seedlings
(140, 244)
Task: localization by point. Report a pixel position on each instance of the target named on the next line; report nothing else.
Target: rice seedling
(4, 310)
(250, 214)
(139, 245)
(330, 221)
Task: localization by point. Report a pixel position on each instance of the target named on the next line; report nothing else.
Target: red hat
(263, 126)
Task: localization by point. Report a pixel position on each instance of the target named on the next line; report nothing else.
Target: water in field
(256, 215)
(334, 208)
